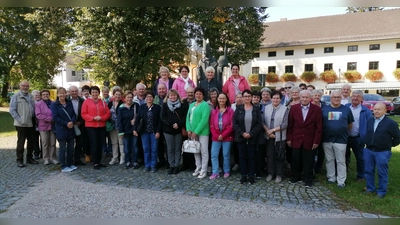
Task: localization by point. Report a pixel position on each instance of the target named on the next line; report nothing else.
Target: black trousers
(97, 137)
(303, 159)
(260, 158)
(25, 133)
(247, 161)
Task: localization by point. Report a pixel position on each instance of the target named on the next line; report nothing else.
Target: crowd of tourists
(283, 133)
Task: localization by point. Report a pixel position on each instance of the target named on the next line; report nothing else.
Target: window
(374, 47)
(289, 52)
(256, 55)
(73, 73)
(397, 45)
(351, 66)
(255, 70)
(328, 66)
(289, 69)
(328, 50)
(308, 67)
(309, 51)
(352, 48)
(398, 64)
(272, 54)
(272, 69)
(373, 65)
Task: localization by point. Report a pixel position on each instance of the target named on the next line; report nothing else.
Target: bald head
(379, 110)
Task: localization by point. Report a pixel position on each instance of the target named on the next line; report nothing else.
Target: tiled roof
(360, 26)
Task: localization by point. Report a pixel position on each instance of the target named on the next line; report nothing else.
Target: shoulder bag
(76, 128)
(183, 131)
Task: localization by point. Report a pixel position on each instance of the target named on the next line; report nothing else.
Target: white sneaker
(54, 161)
(122, 162)
(113, 161)
(66, 169)
(196, 172)
(278, 179)
(46, 162)
(202, 175)
(73, 167)
(269, 177)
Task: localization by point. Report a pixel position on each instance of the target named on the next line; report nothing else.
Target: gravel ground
(60, 196)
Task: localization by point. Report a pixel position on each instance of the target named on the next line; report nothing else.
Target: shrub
(253, 79)
(272, 77)
(308, 76)
(374, 75)
(396, 73)
(352, 75)
(328, 76)
(4, 102)
(289, 77)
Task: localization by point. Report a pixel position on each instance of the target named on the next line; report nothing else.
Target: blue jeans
(226, 150)
(66, 152)
(130, 148)
(149, 149)
(381, 161)
(107, 146)
(355, 144)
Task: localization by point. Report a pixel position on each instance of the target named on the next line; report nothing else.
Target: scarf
(186, 82)
(48, 102)
(173, 105)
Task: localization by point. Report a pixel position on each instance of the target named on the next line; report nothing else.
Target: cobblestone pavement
(16, 182)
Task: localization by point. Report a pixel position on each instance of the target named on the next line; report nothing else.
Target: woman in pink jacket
(183, 82)
(95, 112)
(235, 83)
(221, 128)
(45, 127)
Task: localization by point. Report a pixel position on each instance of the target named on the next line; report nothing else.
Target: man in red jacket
(304, 135)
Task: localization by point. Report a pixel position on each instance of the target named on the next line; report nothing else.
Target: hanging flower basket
(289, 77)
(328, 76)
(308, 76)
(253, 79)
(352, 75)
(396, 73)
(374, 75)
(272, 77)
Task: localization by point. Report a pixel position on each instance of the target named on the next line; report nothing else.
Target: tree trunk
(4, 92)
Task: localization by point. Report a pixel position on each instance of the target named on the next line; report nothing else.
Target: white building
(356, 41)
(69, 76)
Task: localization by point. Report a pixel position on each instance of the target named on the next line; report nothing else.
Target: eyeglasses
(288, 87)
(184, 71)
(246, 96)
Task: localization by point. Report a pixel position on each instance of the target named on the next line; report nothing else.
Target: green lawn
(6, 125)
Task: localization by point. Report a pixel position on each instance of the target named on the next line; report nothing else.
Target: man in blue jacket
(357, 132)
(382, 134)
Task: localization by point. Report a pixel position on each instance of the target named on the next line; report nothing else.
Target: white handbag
(191, 146)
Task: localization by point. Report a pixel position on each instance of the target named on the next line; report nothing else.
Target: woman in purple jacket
(221, 128)
(45, 127)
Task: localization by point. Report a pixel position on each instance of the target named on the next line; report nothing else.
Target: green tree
(362, 9)
(128, 45)
(32, 42)
(240, 28)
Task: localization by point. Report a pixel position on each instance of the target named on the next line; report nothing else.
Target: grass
(6, 125)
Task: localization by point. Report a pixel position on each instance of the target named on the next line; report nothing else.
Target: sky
(276, 13)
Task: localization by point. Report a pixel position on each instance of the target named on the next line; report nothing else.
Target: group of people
(255, 130)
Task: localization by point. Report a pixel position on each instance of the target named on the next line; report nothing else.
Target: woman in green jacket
(197, 126)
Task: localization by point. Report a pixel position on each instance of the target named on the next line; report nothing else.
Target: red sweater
(90, 109)
(227, 125)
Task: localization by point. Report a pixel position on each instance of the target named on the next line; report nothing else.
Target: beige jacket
(22, 109)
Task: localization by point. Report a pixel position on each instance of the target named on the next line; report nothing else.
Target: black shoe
(146, 169)
(251, 180)
(32, 161)
(308, 185)
(171, 170)
(136, 166)
(36, 157)
(176, 170)
(293, 181)
(79, 163)
(102, 165)
(96, 167)
(20, 164)
(243, 179)
(128, 165)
